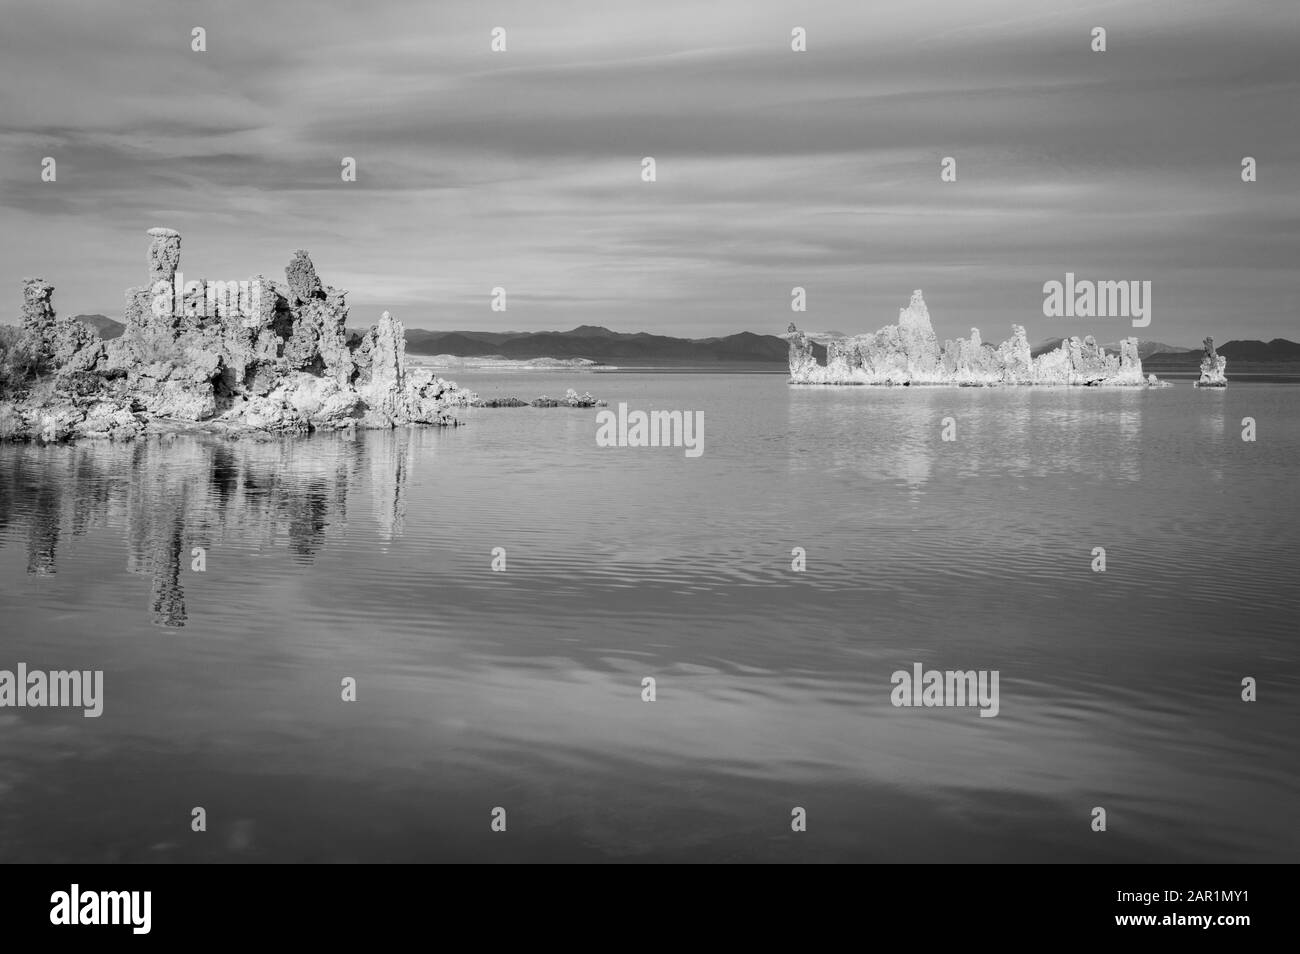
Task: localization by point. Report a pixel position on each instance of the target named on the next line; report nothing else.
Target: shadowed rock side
(909, 353)
(1213, 366)
(254, 356)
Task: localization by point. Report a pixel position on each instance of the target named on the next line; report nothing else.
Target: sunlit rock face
(1015, 359)
(164, 255)
(1213, 366)
(803, 366)
(1130, 362)
(253, 355)
(908, 353)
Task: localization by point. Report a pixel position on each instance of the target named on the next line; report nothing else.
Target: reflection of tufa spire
(392, 457)
(168, 593)
(168, 495)
(93, 500)
(43, 531)
(223, 476)
(308, 518)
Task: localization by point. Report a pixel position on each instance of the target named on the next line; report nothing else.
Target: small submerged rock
(571, 399)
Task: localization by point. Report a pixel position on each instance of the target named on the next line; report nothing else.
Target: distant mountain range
(586, 341)
(1277, 354)
(1279, 349)
(600, 344)
(644, 349)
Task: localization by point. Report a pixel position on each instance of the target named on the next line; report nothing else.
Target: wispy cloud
(775, 169)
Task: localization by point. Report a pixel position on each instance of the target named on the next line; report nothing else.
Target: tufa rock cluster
(1213, 366)
(909, 353)
(254, 355)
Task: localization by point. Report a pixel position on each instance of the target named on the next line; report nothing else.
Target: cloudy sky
(523, 169)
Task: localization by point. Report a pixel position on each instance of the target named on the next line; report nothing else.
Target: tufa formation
(909, 353)
(243, 356)
(1213, 365)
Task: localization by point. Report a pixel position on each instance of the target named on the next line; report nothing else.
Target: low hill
(1243, 356)
(102, 325)
(586, 341)
(600, 344)
(1279, 349)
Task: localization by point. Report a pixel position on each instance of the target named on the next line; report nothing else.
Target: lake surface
(372, 558)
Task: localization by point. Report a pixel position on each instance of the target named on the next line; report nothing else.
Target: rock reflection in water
(189, 492)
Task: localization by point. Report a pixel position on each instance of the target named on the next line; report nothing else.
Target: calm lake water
(329, 558)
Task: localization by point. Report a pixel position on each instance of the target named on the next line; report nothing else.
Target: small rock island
(909, 353)
(1213, 366)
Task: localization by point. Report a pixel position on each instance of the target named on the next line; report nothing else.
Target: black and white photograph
(577, 432)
